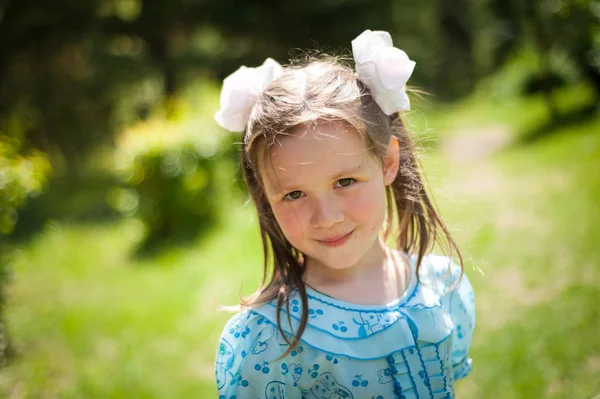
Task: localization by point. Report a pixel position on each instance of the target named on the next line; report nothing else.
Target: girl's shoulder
(246, 325)
(440, 282)
(248, 343)
(437, 272)
(245, 333)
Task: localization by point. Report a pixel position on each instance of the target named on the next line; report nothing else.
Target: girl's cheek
(290, 221)
(367, 202)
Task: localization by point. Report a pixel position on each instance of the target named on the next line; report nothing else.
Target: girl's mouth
(336, 241)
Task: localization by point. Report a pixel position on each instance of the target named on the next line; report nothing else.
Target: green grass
(528, 219)
(89, 321)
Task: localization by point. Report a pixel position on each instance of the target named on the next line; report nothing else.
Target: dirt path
(474, 144)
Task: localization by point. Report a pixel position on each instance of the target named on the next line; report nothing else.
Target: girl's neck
(379, 278)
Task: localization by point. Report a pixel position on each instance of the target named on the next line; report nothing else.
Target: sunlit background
(124, 225)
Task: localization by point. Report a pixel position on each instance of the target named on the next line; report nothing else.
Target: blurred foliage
(86, 69)
(172, 166)
(21, 176)
(564, 35)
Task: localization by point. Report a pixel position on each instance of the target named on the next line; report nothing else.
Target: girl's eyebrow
(348, 171)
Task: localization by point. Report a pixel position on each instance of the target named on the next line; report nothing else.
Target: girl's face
(328, 193)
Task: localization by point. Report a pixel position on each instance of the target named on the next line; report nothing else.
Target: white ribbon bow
(384, 69)
(240, 92)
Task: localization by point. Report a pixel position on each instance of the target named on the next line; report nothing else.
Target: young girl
(332, 171)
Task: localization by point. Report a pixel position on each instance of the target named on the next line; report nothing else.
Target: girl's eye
(345, 182)
(293, 195)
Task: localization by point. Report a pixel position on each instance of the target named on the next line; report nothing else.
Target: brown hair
(325, 89)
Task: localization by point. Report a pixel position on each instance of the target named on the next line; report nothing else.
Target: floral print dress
(414, 347)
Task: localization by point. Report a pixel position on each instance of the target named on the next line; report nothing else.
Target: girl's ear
(391, 161)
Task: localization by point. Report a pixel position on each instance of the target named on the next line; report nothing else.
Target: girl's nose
(326, 213)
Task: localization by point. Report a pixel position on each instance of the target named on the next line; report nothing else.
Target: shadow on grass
(70, 198)
(551, 127)
(82, 199)
(162, 242)
(547, 352)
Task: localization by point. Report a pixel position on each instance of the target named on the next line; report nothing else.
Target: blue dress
(414, 347)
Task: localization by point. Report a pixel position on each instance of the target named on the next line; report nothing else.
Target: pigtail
(419, 225)
(291, 273)
(287, 264)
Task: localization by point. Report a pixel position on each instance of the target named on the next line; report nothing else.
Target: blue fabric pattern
(414, 347)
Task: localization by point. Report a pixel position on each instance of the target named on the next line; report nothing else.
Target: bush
(176, 172)
(23, 174)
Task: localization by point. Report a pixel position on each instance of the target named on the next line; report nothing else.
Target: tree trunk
(456, 67)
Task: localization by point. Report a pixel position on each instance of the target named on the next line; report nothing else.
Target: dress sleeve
(247, 364)
(462, 312)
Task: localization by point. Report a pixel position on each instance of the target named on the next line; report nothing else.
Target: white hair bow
(240, 92)
(384, 69)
